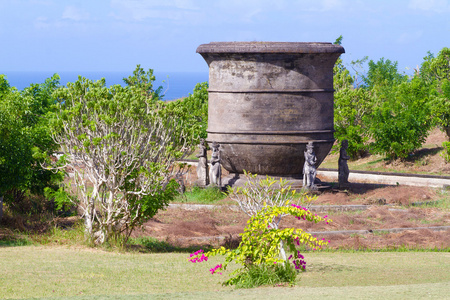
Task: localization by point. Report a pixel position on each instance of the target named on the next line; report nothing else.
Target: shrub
(126, 141)
(24, 131)
(400, 123)
(446, 152)
(264, 244)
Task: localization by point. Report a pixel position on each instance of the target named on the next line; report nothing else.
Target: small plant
(201, 195)
(446, 152)
(262, 250)
(258, 193)
(261, 245)
(258, 275)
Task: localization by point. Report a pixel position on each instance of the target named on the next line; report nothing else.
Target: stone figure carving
(215, 173)
(309, 169)
(343, 170)
(202, 166)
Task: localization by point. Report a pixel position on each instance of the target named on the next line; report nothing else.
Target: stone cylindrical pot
(267, 100)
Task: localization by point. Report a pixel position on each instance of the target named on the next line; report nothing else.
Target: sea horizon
(175, 85)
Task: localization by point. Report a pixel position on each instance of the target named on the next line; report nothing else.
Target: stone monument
(202, 166)
(267, 100)
(215, 173)
(309, 168)
(343, 170)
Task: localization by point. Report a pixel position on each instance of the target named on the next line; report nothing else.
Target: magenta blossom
(218, 267)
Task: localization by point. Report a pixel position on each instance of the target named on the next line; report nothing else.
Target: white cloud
(74, 13)
(141, 10)
(437, 6)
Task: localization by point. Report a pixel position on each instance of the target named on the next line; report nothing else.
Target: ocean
(175, 84)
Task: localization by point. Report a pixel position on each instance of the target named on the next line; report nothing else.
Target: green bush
(446, 152)
(193, 109)
(259, 275)
(264, 244)
(351, 105)
(400, 123)
(24, 131)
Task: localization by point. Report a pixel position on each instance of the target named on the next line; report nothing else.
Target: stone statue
(343, 166)
(202, 166)
(215, 173)
(309, 169)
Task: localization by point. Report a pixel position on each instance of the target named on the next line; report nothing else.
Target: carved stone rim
(272, 132)
(270, 47)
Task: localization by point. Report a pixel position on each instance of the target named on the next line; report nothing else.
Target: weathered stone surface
(309, 169)
(215, 173)
(267, 100)
(343, 171)
(202, 166)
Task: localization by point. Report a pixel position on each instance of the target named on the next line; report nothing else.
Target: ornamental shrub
(264, 245)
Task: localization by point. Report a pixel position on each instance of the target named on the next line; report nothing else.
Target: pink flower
(213, 270)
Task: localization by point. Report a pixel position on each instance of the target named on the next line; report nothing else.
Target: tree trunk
(283, 252)
(447, 131)
(1, 207)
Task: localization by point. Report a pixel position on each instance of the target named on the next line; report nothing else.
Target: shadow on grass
(423, 153)
(153, 245)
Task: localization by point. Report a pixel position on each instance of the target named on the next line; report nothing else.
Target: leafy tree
(400, 123)
(382, 74)
(144, 81)
(193, 109)
(435, 72)
(24, 131)
(351, 104)
(121, 143)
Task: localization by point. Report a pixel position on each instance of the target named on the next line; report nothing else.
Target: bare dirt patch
(222, 225)
(378, 194)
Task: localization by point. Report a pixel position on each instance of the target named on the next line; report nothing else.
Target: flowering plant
(262, 243)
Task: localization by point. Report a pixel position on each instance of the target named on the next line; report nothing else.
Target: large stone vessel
(267, 100)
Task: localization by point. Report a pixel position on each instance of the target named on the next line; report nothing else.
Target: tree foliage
(351, 105)
(389, 113)
(400, 123)
(193, 109)
(435, 73)
(24, 131)
(121, 144)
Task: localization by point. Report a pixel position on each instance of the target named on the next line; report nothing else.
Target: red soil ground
(184, 228)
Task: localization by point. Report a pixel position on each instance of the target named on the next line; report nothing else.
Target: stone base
(239, 180)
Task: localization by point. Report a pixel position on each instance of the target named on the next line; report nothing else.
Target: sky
(116, 35)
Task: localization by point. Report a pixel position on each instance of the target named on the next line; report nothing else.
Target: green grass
(209, 195)
(81, 273)
(14, 241)
(442, 203)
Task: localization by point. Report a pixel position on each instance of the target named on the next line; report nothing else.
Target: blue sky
(115, 35)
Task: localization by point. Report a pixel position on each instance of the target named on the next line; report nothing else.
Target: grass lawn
(82, 273)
